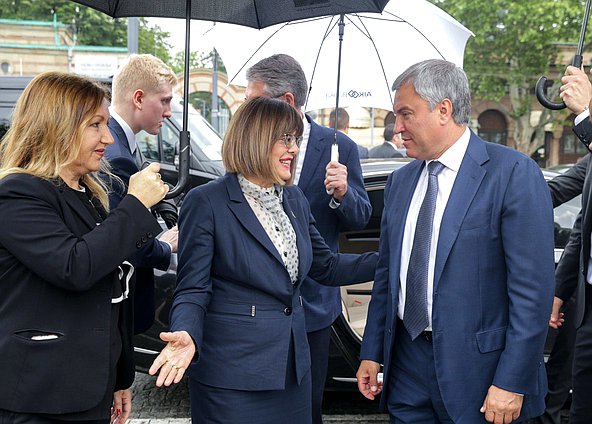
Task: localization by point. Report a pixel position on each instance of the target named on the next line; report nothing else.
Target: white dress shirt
(451, 159)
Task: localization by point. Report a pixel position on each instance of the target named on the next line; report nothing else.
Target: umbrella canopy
(253, 13)
(376, 49)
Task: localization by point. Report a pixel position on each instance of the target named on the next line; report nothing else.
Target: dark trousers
(8, 417)
(414, 395)
(319, 358)
(559, 368)
(581, 406)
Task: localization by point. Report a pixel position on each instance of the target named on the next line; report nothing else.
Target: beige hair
(144, 72)
(253, 130)
(47, 126)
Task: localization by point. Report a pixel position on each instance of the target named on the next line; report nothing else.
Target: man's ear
(290, 99)
(138, 98)
(445, 110)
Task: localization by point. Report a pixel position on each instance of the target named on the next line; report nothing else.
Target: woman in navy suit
(246, 242)
(65, 338)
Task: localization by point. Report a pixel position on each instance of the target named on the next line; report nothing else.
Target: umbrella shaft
(583, 31)
(341, 31)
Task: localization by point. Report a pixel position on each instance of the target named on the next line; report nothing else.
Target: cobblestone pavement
(159, 405)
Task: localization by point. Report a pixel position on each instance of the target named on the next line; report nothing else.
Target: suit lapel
(245, 215)
(300, 225)
(469, 178)
(314, 150)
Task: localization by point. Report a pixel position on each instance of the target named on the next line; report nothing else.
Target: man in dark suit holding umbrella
(282, 77)
(573, 276)
(142, 94)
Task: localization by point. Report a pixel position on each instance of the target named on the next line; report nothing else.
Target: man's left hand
(122, 406)
(501, 406)
(336, 180)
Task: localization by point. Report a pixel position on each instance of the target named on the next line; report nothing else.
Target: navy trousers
(319, 358)
(414, 396)
(581, 407)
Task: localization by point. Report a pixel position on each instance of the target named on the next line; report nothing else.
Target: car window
(208, 140)
(148, 145)
(564, 216)
(169, 140)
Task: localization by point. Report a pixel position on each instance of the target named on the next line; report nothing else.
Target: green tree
(197, 60)
(515, 43)
(90, 26)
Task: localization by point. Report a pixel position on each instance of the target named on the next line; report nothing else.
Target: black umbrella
(252, 13)
(577, 62)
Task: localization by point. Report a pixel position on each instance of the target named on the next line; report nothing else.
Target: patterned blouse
(266, 203)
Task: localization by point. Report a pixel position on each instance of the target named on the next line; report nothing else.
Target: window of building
(493, 127)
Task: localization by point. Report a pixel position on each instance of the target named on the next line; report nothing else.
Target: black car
(348, 330)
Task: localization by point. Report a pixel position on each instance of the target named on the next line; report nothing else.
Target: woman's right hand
(147, 186)
(174, 358)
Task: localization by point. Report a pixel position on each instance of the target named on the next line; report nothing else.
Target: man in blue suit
(464, 283)
(281, 76)
(142, 94)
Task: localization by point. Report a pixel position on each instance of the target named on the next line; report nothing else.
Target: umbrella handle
(334, 157)
(577, 62)
(540, 88)
(184, 152)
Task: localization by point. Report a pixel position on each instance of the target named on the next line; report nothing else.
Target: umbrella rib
(113, 6)
(256, 14)
(367, 33)
(397, 18)
(255, 52)
(330, 27)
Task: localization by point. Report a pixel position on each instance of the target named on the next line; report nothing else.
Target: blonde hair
(253, 130)
(144, 72)
(46, 131)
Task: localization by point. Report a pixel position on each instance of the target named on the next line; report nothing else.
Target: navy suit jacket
(154, 254)
(322, 304)
(57, 271)
(493, 280)
(234, 295)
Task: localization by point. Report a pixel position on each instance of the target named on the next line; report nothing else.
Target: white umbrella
(376, 49)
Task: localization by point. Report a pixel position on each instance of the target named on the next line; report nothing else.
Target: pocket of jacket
(32, 335)
(491, 340)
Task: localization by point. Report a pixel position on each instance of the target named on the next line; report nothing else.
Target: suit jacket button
(138, 245)
(150, 235)
(144, 239)
(288, 311)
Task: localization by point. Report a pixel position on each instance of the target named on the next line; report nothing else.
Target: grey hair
(435, 80)
(281, 74)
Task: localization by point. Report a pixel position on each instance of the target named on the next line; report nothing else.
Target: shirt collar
(257, 191)
(129, 134)
(453, 156)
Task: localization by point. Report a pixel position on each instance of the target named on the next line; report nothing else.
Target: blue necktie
(416, 301)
